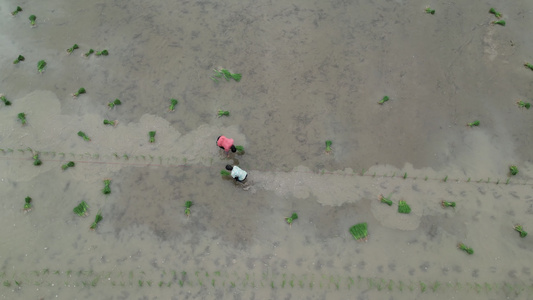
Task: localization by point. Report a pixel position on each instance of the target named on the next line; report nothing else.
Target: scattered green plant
(4, 99)
(84, 136)
(240, 149)
(529, 66)
(403, 207)
(114, 103)
(445, 178)
(41, 65)
(188, 205)
(151, 134)
(472, 124)
(36, 160)
(523, 104)
(16, 11)
(27, 204)
(22, 118)
(71, 49)
(97, 220)
(81, 209)
(430, 11)
(70, 164)
(360, 231)
(520, 230)
(107, 188)
(447, 204)
(173, 103)
(513, 169)
(405, 175)
(91, 51)
(103, 52)
(19, 59)
(223, 113)
(383, 100)
(465, 248)
(291, 219)
(32, 19)
(385, 200)
(499, 22)
(227, 75)
(495, 13)
(225, 173)
(79, 92)
(112, 123)
(328, 146)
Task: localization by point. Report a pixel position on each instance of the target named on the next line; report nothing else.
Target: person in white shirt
(237, 173)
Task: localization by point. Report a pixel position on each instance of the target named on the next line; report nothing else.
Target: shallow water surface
(311, 72)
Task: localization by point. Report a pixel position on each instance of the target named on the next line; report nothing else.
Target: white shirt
(238, 173)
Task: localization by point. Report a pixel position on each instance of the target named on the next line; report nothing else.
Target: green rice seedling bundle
(291, 219)
(226, 74)
(112, 123)
(403, 207)
(465, 248)
(4, 99)
(102, 53)
(71, 49)
(41, 65)
(430, 11)
(79, 92)
(84, 136)
(527, 105)
(22, 117)
(32, 19)
(385, 200)
(359, 231)
(447, 204)
(16, 11)
(70, 164)
(36, 160)
(223, 113)
(151, 135)
(97, 220)
(173, 103)
(114, 103)
(27, 204)
(493, 11)
(499, 22)
(328, 146)
(240, 149)
(81, 209)
(225, 173)
(513, 170)
(19, 59)
(472, 124)
(520, 230)
(383, 100)
(107, 188)
(91, 51)
(188, 205)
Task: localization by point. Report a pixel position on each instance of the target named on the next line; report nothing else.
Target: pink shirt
(225, 143)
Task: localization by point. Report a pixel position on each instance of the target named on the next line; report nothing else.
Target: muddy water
(311, 72)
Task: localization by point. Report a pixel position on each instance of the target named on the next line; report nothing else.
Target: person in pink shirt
(226, 144)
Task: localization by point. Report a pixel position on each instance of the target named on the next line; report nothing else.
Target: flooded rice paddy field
(311, 72)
